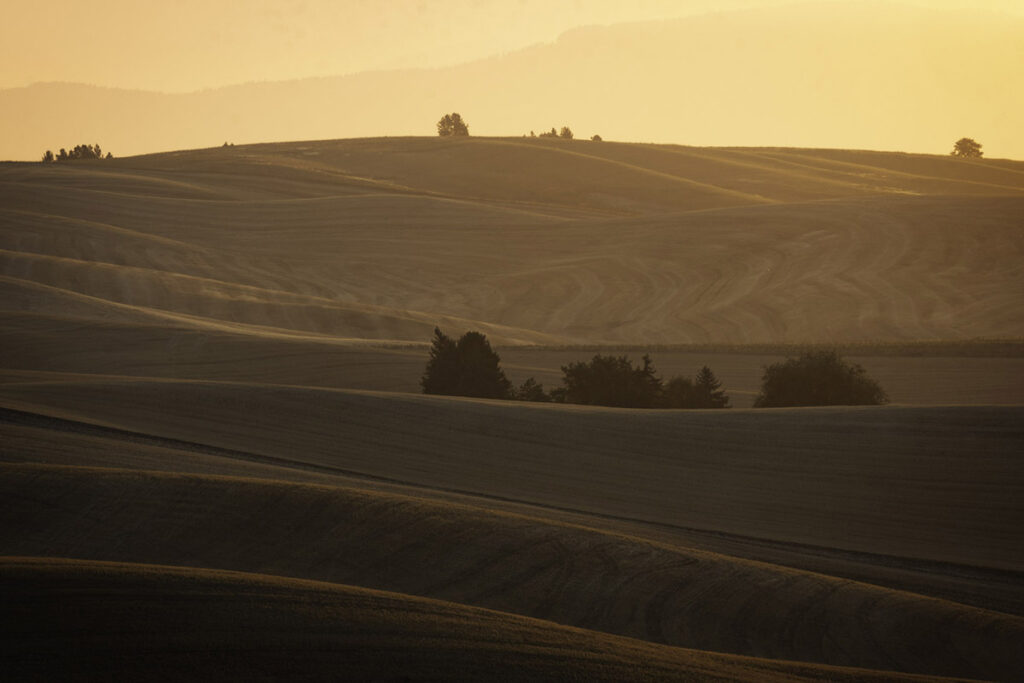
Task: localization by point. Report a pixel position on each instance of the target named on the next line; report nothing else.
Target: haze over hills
(838, 75)
(213, 448)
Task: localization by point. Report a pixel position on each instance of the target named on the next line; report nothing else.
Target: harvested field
(211, 429)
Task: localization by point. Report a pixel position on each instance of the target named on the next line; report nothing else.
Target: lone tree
(566, 133)
(452, 124)
(818, 378)
(468, 367)
(967, 147)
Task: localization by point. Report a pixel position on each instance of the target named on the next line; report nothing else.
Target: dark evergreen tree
(48, 158)
(566, 133)
(442, 374)
(479, 369)
(469, 367)
(708, 391)
(817, 378)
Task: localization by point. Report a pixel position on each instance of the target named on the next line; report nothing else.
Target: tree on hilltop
(452, 124)
(566, 133)
(968, 148)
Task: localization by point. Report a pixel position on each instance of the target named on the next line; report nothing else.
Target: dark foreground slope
(107, 621)
(517, 564)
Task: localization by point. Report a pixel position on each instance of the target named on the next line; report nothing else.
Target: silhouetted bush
(531, 390)
(966, 147)
(817, 378)
(566, 133)
(550, 134)
(596, 138)
(452, 124)
(468, 367)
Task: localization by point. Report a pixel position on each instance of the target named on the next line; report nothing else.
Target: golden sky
(862, 74)
(189, 45)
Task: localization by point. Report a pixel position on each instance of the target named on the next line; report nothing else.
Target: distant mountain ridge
(803, 76)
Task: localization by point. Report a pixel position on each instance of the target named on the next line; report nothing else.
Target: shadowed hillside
(267, 628)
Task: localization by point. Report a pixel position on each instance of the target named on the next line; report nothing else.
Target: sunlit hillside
(214, 451)
(539, 242)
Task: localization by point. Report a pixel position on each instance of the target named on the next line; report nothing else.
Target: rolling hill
(214, 450)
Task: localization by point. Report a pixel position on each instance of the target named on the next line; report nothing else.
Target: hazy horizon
(850, 75)
(197, 46)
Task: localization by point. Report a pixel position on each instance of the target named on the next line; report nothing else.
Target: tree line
(76, 153)
(453, 125)
(470, 367)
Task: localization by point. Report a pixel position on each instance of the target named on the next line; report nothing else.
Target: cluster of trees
(565, 133)
(470, 367)
(614, 381)
(967, 147)
(452, 124)
(79, 152)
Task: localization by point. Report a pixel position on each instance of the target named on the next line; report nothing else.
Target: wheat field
(215, 452)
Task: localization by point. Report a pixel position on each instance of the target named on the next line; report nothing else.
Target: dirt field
(210, 413)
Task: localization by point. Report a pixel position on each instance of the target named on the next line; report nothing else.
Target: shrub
(531, 390)
(817, 378)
